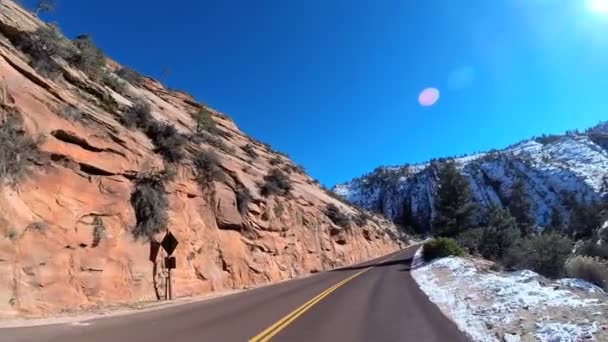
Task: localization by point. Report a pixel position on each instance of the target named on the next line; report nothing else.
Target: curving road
(373, 301)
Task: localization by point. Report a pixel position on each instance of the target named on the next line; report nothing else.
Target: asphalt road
(373, 301)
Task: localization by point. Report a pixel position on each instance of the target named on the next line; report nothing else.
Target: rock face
(66, 237)
(553, 168)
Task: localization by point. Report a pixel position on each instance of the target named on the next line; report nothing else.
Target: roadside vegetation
(574, 246)
(150, 204)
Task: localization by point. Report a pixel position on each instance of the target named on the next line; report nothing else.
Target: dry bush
(590, 269)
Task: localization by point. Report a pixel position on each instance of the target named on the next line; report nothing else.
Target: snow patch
(580, 284)
(481, 302)
(560, 332)
(459, 311)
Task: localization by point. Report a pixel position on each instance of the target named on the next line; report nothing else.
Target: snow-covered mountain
(553, 168)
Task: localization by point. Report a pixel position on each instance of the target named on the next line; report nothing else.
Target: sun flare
(598, 6)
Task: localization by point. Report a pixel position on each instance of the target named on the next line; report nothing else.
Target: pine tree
(557, 223)
(454, 206)
(519, 206)
(204, 122)
(585, 219)
(500, 233)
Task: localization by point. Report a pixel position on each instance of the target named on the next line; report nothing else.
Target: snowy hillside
(553, 168)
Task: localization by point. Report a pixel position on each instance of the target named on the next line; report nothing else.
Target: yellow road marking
(274, 329)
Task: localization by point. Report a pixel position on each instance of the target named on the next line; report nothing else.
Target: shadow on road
(405, 262)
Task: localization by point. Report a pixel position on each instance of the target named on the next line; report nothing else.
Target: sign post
(169, 244)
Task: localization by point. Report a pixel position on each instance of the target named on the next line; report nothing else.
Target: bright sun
(598, 6)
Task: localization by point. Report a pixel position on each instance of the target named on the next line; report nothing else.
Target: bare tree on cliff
(454, 206)
(44, 6)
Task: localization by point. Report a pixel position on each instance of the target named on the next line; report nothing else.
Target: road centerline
(281, 324)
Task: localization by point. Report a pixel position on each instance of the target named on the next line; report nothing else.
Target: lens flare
(428, 97)
(598, 6)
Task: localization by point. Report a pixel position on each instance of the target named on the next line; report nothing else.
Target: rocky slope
(66, 228)
(552, 168)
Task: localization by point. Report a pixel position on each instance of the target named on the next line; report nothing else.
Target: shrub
(470, 239)
(114, 82)
(544, 254)
(204, 122)
(167, 140)
(361, 218)
(42, 45)
(99, 231)
(217, 142)
(276, 183)
(139, 115)
(17, 151)
(47, 68)
(207, 168)
(71, 113)
(39, 226)
(337, 216)
(243, 197)
(250, 151)
(593, 248)
(441, 247)
(11, 234)
(276, 161)
(150, 204)
(129, 75)
(90, 59)
(589, 269)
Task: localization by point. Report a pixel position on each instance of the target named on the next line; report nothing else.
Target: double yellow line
(274, 329)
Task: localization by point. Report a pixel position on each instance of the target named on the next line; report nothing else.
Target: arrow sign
(169, 243)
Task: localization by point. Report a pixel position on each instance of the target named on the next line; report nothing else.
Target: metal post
(170, 286)
(166, 288)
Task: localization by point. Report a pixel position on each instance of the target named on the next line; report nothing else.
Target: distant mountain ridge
(554, 169)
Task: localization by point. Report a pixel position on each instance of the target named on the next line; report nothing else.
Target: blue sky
(334, 83)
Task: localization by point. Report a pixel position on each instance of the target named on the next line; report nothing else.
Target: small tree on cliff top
(44, 6)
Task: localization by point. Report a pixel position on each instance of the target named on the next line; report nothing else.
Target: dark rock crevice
(71, 138)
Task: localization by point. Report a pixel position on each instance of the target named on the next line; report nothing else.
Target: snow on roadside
(492, 306)
(580, 284)
(443, 296)
(552, 332)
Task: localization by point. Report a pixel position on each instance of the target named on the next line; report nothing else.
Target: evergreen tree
(557, 223)
(585, 219)
(519, 206)
(499, 235)
(454, 207)
(407, 219)
(204, 122)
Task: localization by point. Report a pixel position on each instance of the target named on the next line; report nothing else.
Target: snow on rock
(560, 332)
(550, 167)
(580, 285)
(510, 305)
